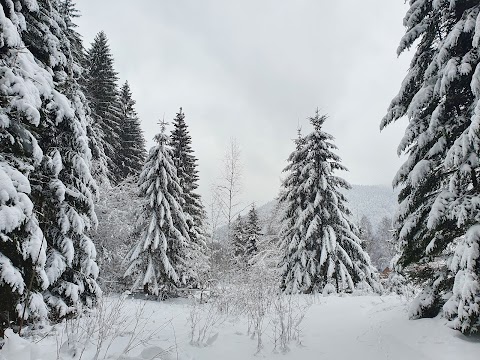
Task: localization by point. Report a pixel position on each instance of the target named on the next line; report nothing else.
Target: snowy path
(356, 328)
(350, 327)
(377, 328)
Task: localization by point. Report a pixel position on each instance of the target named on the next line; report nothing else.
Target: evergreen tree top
(126, 96)
(126, 87)
(162, 138)
(181, 139)
(316, 146)
(318, 120)
(69, 12)
(183, 153)
(101, 61)
(239, 225)
(253, 225)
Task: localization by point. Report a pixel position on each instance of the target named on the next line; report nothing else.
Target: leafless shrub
(103, 326)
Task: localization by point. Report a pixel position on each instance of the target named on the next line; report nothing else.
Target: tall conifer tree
(318, 239)
(102, 93)
(44, 164)
(187, 173)
(253, 233)
(159, 257)
(439, 198)
(238, 238)
(22, 246)
(63, 187)
(132, 156)
(99, 162)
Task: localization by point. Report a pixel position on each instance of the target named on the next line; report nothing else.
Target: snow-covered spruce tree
(102, 94)
(99, 162)
(69, 13)
(321, 251)
(24, 86)
(62, 186)
(238, 241)
(195, 214)
(34, 49)
(437, 222)
(132, 156)
(158, 259)
(253, 233)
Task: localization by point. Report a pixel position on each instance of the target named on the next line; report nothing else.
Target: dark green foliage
(238, 238)
(186, 164)
(102, 94)
(132, 154)
(253, 233)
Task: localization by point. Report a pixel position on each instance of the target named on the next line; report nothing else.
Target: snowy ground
(350, 327)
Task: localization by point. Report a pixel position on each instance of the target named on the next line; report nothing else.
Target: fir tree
(439, 200)
(69, 13)
(321, 249)
(159, 257)
(99, 162)
(44, 164)
(62, 186)
(102, 94)
(253, 233)
(238, 238)
(186, 165)
(22, 246)
(132, 155)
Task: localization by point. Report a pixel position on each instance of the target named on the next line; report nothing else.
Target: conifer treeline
(117, 140)
(64, 126)
(47, 260)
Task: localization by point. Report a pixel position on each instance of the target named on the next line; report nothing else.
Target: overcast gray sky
(254, 70)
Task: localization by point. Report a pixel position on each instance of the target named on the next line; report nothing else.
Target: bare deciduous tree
(214, 212)
(228, 191)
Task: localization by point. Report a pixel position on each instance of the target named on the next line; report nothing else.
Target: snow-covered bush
(396, 283)
(116, 210)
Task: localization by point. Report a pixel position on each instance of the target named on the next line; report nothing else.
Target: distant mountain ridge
(373, 201)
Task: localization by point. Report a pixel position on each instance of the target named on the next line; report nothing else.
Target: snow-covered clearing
(349, 327)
